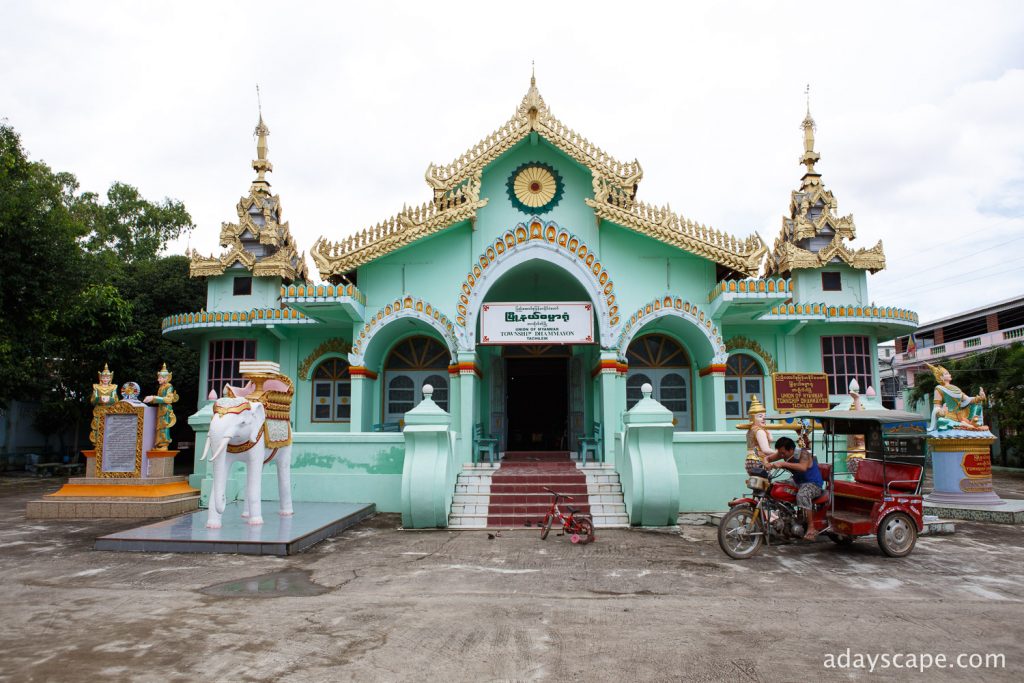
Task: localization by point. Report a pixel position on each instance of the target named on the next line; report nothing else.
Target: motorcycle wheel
(897, 534)
(841, 540)
(735, 533)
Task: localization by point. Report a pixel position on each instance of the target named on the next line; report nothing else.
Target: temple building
(536, 294)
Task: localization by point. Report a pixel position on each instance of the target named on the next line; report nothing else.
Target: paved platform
(1010, 511)
(311, 523)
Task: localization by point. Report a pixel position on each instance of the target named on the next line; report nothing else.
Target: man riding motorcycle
(807, 478)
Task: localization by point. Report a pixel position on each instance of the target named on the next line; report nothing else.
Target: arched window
(744, 379)
(332, 392)
(663, 362)
(413, 362)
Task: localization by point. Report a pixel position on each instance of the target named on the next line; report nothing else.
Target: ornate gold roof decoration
(617, 206)
(259, 241)
(812, 236)
(533, 115)
(407, 226)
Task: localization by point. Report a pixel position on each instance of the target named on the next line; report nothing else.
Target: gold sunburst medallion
(535, 186)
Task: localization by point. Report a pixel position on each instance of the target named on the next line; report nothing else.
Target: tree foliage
(83, 284)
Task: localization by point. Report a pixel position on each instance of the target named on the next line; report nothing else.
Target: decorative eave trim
(664, 225)
(402, 229)
(256, 316)
(308, 294)
(669, 305)
(832, 313)
(406, 307)
(754, 288)
(557, 245)
(789, 257)
(533, 115)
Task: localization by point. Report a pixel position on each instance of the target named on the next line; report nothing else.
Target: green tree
(83, 284)
(41, 263)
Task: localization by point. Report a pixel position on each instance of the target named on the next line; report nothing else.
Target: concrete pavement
(376, 603)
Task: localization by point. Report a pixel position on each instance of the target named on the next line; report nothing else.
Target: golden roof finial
(810, 156)
(260, 164)
(533, 99)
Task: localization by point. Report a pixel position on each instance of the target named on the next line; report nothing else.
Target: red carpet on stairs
(517, 487)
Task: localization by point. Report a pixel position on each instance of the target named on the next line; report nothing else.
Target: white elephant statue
(237, 434)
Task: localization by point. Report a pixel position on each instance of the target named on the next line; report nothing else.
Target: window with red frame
(846, 358)
(225, 354)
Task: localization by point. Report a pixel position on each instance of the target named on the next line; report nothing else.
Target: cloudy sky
(918, 105)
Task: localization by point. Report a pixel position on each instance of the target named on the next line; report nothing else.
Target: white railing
(982, 342)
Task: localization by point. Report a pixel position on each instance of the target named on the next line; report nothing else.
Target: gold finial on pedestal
(810, 157)
(260, 164)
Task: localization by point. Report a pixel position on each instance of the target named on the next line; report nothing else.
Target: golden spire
(810, 157)
(260, 164)
(533, 99)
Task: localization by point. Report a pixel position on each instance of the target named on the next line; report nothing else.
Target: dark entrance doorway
(537, 404)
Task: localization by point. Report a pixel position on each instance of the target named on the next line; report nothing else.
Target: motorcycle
(770, 514)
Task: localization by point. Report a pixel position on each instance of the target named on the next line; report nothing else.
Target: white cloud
(917, 106)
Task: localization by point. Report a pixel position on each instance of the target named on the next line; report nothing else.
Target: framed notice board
(800, 391)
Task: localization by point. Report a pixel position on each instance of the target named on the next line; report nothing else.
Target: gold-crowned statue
(103, 394)
(758, 438)
(165, 398)
(952, 408)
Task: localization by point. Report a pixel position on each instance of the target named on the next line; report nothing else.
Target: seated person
(806, 477)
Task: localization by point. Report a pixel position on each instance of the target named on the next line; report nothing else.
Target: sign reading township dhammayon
(537, 323)
(800, 391)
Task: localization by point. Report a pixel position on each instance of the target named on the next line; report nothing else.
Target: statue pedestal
(124, 475)
(961, 468)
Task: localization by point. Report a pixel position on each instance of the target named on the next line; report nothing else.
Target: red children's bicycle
(579, 525)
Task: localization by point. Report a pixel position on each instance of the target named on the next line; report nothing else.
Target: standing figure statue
(103, 394)
(954, 409)
(165, 396)
(856, 449)
(758, 438)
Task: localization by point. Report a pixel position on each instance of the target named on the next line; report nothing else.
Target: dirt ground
(375, 603)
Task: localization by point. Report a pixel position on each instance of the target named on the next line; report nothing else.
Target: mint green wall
(266, 292)
(807, 286)
(637, 264)
(500, 215)
(433, 268)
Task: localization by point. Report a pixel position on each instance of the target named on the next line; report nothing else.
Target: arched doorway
(411, 363)
(537, 403)
(662, 362)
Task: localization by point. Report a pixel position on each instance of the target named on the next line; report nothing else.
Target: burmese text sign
(800, 390)
(535, 323)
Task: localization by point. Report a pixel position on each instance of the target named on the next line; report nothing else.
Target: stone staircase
(512, 495)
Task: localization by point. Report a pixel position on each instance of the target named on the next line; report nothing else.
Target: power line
(959, 258)
(954, 281)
